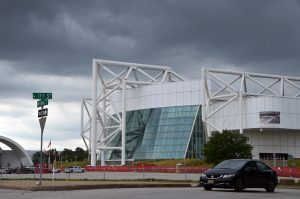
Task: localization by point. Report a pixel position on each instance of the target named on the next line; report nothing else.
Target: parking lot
(152, 193)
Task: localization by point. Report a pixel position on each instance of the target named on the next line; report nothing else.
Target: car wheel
(238, 185)
(207, 188)
(271, 186)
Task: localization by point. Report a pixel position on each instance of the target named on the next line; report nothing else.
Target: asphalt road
(151, 193)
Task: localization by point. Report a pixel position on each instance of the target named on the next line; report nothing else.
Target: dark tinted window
(251, 165)
(262, 166)
(231, 164)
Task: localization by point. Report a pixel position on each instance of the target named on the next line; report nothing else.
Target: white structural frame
(85, 130)
(236, 87)
(97, 133)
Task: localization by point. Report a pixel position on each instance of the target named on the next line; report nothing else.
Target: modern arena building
(142, 112)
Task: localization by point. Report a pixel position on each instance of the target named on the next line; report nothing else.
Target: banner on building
(269, 118)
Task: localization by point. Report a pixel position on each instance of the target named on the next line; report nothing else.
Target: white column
(282, 87)
(81, 117)
(103, 134)
(123, 152)
(241, 112)
(94, 114)
(243, 86)
(205, 104)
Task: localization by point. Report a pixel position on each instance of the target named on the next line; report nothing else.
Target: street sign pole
(41, 155)
(42, 121)
(42, 114)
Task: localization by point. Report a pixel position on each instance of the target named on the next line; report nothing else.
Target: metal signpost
(42, 113)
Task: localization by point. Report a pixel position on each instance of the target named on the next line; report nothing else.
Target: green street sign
(42, 102)
(42, 95)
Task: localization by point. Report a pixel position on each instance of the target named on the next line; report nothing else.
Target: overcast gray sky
(48, 45)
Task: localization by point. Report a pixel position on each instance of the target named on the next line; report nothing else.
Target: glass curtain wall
(162, 133)
(197, 140)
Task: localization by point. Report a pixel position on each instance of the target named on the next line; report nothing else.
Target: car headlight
(228, 176)
(203, 175)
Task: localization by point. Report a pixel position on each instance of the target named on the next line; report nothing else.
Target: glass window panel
(162, 132)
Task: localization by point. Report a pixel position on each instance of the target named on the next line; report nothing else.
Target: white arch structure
(115, 77)
(19, 151)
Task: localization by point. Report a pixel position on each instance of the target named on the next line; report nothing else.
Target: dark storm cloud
(16, 85)
(48, 46)
(62, 37)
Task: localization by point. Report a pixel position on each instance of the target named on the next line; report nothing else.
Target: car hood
(220, 171)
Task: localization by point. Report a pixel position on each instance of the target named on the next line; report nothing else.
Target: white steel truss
(114, 77)
(224, 87)
(85, 131)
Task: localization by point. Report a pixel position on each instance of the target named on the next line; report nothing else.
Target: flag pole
(49, 154)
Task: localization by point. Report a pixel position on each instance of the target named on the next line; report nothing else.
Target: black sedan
(240, 174)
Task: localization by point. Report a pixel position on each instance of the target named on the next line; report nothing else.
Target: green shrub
(294, 163)
(174, 162)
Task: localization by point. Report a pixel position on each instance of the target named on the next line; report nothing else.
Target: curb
(102, 186)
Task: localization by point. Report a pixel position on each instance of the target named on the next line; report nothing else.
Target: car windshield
(231, 164)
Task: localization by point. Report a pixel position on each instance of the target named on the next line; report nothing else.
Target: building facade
(149, 112)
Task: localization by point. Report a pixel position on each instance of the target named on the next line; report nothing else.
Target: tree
(227, 145)
(81, 154)
(52, 153)
(36, 158)
(78, 155)
(67, 155)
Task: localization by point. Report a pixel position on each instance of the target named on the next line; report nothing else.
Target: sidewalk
(47, 185)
